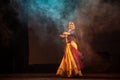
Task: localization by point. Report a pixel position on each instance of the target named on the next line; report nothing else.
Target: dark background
(14, 46)
(13, 40)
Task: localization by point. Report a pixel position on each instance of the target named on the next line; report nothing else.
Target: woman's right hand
(66, 33)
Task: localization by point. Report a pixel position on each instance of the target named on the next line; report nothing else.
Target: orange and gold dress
(71, 63)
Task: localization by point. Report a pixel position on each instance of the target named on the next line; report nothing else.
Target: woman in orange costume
(71, 63)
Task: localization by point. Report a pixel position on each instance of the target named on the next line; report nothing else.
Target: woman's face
(71, 25)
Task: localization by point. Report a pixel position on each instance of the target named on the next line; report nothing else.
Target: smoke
(92, 17)
(95, 17)
(58, 11)
(42, 14)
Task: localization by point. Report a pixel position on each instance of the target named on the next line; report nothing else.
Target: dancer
(71, 63)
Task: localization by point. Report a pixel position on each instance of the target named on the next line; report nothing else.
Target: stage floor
(52, 76)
